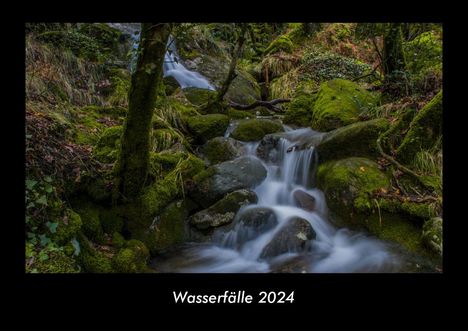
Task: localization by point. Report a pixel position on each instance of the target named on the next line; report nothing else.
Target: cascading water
(172, 63)
(333, 250)
(186, 78)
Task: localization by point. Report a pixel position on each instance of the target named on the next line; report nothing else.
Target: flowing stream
(333, 250)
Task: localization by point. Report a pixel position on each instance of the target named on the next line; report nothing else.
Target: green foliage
(322, 66)
(300, 110)
(423, 52)
(282, 43)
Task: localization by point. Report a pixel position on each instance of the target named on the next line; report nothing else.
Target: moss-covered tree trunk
(393, 56)
(424, 130)
(134, 156)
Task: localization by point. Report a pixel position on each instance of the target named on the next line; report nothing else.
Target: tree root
(267, 104)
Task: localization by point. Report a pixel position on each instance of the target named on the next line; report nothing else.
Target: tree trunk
(393, 57)
(232, 67)
(134, 156)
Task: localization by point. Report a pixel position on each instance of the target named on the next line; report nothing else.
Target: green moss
(198, 96)
(69, 229)
(131, 258)
(339, 103)
(425, 129)
(57, 262)
(169, 228)
(244, 89)
(163, 162)
(164, 139)
(392, 138)
(118, 240)
(410, 210)
(170, 85)
(349, 183)
(233, 201)
(206, 127)
(282, 43)
(108, 145)
(91, 259)
(300, 110)
(432, 236)
(239, 114)
(89, 214)
(111, 219)
(357, 139)
(255, 129)
(219, 150)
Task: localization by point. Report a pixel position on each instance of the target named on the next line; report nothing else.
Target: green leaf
(48, 179)
(30, 183)
(52, 226)
(31, 235)
(28, 136)
(30, 205)
(42, 200)
(43, 256)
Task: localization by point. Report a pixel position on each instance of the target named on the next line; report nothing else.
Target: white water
(186, 78)
(333, 250)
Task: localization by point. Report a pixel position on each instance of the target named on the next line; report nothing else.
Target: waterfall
(333, 250)
(173, 67)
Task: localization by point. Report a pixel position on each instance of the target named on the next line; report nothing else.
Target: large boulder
(348, 184)
(223, 211)
(255, 129)
(220, 149)
(198, 96)
(339, 102)
(300, 110)
(206, 127)
(357, 139)
(292, 237)
(242, 173)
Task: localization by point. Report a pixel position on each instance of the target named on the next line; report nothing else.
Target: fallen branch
(267, 104)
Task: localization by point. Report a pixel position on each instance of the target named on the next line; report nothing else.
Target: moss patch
(339, 103)
(424, 130)
(358, 139)
(206, 127)
(255, 129)
(68, 230)
(300, 110)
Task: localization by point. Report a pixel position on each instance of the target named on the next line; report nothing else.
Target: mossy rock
(199, 96)
(215, 182)
(255, 129)
(223, 211)
(92, 260)
(163, 162)
(239, 114)
(282, 43)
(357, 139)
(164, 139)
(424, 130)
(111, 219)
(89, 214)
(169, 228)
(300, 110)
(68, 230)
(206, 127)
(339, 102)
(244, 89)
(221, 149)
(131, 258)
(349, 183)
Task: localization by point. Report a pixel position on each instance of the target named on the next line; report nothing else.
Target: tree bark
(134, 155)
(393, 57)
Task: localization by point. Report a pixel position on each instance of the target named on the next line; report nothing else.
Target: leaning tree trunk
(393, 57)
(232, 67)
(134, 156)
